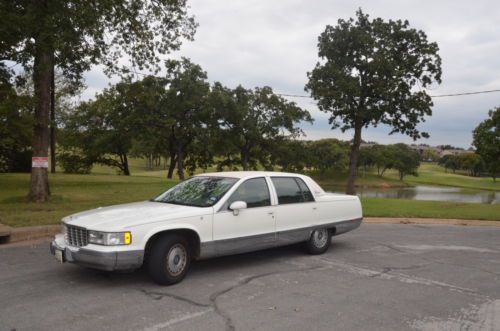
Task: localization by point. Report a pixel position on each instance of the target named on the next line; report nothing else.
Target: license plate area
(59, 254)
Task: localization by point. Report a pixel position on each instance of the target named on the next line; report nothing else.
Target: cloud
(261, 42)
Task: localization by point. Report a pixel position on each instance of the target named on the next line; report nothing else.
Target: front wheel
(169, 260)
(319, 242)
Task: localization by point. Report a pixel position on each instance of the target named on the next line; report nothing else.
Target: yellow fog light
(127, 238)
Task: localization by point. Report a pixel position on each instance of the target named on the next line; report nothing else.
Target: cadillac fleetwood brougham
(208, 215)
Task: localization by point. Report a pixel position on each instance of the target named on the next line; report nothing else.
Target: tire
(319, 242)
(169, 259)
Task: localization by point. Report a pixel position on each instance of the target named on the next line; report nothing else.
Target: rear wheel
(319, 242)
(169, 259)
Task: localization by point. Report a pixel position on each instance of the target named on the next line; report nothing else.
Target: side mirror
(236, 206)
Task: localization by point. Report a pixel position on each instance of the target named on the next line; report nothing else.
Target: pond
(424, 192)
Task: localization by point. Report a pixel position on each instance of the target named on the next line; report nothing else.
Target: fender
(166, 227)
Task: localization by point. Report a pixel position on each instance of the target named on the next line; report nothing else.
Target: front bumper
(109, 260)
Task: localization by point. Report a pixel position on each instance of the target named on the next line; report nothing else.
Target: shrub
(74, 163)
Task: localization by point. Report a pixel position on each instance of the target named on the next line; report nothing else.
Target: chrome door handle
(314, 208)
(271, 213)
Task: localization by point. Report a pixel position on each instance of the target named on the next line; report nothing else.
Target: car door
(250, 229)
(296, 210)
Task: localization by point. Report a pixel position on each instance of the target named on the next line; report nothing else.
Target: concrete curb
(44, 231)
(30, 233)
(391, 220)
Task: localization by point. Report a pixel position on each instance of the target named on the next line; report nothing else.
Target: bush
(74, 163)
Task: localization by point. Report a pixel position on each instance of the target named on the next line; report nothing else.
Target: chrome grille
(76, 236)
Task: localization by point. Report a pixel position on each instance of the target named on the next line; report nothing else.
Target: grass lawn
(373, 207)
(73, 193)
(432, 174)
(70, 194)
(339, 180)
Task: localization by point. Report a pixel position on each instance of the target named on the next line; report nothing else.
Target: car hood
(132, 214)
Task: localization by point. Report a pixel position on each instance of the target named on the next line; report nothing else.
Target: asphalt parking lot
(379, 277)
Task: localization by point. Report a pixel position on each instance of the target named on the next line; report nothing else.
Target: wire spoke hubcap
(320, 237)
(176, 259)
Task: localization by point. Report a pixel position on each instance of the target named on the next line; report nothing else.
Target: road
(379, 277)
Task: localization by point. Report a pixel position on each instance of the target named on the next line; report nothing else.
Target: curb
(13, 235)
(430, 221)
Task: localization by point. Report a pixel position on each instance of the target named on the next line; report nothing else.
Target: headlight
(110, 238)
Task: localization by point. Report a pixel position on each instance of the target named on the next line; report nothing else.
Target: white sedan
(208, 215)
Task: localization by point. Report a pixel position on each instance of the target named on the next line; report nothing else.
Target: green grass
(74, 193)
(338, 181)
(71, 194)
(432, 174)
(373, 207)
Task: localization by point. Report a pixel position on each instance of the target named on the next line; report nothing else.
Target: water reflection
(424, 192)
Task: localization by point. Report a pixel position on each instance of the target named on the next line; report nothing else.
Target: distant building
(365, 145)
(445, 152)
(422, 148)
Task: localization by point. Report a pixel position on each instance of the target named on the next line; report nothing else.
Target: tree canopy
(252, 119)
(371, 72)
(487, 142)
(76, 34)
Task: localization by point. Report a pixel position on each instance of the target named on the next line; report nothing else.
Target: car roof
(245, 174)
(250, 174)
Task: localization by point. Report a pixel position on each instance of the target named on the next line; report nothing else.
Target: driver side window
(254, 192)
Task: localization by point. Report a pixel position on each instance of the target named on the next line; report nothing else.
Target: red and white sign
(39, 162)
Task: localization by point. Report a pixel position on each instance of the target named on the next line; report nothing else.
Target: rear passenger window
(254, 192)
(288, 190)
(306, 193)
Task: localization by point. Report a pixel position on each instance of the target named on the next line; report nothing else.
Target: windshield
(197, 191)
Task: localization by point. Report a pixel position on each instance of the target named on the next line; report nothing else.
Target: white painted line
(176, 320)
(446, 248)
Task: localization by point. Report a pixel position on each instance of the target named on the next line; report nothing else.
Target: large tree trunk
(180, 162)
(42, 72)
(52, 123)
(353, 159)
(171, 166)
(245, 157)
(126, 170)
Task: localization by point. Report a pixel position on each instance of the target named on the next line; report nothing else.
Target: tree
(486, 139)
(405, 160)
(378, 155)
(145, 98)
(328, 154)
(76, 34)
(450, 162)
(16, 118)
(183, 116)
(472, 163)
(368, 75)
(253, 119)
(291, 154)
(367, 158)
(430, 155)
(103, 129)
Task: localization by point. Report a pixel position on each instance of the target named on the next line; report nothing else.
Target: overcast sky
(263, 42)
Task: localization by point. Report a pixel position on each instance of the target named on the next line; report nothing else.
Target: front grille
(76, 236)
